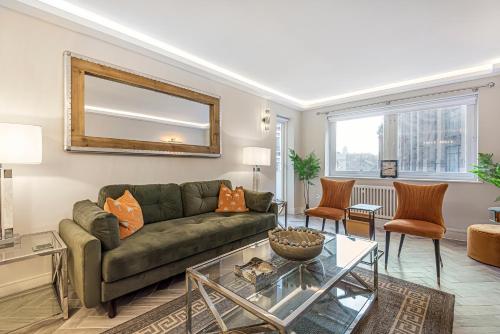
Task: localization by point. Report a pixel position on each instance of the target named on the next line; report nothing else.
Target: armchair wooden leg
(401, 244)
(441, 260)
(438, 260)
(387, 242)
(323, 227)
(112, 308)
(344, 223)
(336, 227)
(307, 221)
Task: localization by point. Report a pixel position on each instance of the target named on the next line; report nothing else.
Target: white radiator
(384, 196)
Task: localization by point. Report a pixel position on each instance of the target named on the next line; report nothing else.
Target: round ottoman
(483, 243)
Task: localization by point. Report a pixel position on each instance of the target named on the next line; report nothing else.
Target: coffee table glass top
(299, 285)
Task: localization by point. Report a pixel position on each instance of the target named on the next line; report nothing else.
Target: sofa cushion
(165, 242)
(201, 197)
(158, 202)
(258, 201)
(99, 223)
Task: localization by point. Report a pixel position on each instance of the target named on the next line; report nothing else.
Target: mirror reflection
(121, 111)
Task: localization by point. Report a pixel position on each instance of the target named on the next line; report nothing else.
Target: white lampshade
(257, 156)
(20, 144)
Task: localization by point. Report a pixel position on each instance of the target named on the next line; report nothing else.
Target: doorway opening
(281, 157)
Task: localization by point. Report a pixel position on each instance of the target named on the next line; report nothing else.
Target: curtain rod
(490, 84)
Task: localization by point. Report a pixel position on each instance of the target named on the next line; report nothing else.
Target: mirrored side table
(363, 214)
(282, 208)
(48, 301)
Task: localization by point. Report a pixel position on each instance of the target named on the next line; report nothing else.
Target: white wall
(465, 203)
(31, 91)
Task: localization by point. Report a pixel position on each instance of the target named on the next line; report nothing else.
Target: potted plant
(307, 169)
(488, 171)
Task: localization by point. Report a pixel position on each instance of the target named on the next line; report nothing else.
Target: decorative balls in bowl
(296, 244)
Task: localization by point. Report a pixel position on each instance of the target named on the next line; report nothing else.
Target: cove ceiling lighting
(105, 25)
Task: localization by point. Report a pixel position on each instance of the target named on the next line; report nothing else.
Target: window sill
(388, 179)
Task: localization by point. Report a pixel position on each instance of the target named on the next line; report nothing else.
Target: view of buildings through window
(432, 140)
(425, 141)
(358, 143)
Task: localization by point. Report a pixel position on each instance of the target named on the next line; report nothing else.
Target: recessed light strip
(143, 117)
(98, 22)
(87, 15)
(476, 70)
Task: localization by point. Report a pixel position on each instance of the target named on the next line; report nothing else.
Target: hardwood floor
(476, 287)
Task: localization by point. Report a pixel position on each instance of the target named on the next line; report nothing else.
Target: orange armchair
(335, 199)
(419, 213)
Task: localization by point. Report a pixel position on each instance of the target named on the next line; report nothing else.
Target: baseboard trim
(455, 234)
(24, 284)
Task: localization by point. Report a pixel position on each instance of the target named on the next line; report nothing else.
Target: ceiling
(310, 53)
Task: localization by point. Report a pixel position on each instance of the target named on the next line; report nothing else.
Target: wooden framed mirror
(113, 110)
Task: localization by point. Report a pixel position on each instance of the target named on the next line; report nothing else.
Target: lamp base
(256, 178)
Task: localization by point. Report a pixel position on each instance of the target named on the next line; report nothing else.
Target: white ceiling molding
(88, 22)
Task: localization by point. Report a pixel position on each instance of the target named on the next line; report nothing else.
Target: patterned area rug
(401, 308)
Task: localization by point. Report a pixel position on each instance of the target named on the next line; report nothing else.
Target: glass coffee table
(331, 292)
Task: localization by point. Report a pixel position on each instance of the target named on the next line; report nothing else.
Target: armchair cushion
(99, 223)
(416, 227)
(258, 201)
(325, 212)
(420, 202)
(336, 194)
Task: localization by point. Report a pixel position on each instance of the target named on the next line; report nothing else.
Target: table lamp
(256, 156)
(19, 144)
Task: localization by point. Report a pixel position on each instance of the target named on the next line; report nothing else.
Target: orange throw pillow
(128, 211)
(231, 200)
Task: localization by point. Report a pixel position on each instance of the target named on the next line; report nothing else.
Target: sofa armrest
(84, 262)
(99, 223)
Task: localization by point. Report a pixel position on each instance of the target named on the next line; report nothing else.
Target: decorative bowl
(296, 244)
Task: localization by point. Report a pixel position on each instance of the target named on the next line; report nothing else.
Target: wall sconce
(266, 120)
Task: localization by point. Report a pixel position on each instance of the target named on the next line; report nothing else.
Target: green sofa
(181, 229)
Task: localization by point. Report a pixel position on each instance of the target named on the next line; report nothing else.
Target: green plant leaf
(487, 170)
(306, 168)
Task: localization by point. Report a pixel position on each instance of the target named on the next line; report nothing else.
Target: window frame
(471, 140)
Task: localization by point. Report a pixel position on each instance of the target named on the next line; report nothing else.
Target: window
(430, 139)
(358, 144)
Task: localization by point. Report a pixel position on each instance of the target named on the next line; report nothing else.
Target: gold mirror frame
(76, 67)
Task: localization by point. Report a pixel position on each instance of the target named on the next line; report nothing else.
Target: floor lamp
(19, 144)
(256, 157)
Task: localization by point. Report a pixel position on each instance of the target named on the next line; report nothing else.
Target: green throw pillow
(258, 201)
